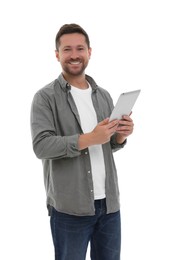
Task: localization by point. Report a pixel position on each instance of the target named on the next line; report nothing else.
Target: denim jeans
(71, 234)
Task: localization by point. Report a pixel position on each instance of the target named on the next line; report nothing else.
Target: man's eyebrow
(69, 46)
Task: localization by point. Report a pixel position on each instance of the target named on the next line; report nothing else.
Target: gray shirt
(55, 127)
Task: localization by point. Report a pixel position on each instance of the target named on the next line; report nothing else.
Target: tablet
(124, 104)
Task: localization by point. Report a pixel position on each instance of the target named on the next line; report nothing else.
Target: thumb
(104, 122)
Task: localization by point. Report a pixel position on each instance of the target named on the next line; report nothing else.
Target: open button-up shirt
(55, 126)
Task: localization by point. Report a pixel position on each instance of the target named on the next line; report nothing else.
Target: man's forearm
(120, 139)
(85, 140)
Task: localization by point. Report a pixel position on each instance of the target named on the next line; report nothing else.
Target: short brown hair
(70, 28)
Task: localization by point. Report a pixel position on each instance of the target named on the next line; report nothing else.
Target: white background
(131, 50)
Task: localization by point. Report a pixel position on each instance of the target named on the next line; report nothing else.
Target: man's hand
(124, 129)
(104, 130)
(101, 134)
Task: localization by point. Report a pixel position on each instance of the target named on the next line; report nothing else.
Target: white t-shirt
(88, 118)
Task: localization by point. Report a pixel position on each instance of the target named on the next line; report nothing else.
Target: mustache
(74, 60)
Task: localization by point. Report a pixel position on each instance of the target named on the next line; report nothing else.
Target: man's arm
(47, 144)
(104, 130)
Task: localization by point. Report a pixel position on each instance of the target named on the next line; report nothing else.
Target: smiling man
(72, 135)
(73, 57)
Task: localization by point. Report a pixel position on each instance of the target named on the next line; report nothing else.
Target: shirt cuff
(115, 145)
(72, 145)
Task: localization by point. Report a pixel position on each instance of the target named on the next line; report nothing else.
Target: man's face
(73, 54)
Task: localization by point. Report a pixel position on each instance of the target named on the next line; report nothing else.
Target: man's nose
(74, 54)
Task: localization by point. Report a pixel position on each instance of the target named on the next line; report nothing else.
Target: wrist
(120, 139)
(86, 140)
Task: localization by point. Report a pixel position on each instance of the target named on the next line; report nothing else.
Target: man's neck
(77, 81)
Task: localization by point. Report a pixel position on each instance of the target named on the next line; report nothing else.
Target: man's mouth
(74, 62)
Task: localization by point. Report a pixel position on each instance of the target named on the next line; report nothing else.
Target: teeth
(75, 62)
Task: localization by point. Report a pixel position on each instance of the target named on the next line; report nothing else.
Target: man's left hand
(124, 129)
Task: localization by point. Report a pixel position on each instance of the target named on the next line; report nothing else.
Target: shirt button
(89, 171)
(86, 152)
(91, 191)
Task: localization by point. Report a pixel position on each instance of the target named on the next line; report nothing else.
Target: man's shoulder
(51, 88)
(94, 85)
(101, 90)
(48, 87)
(47, 93)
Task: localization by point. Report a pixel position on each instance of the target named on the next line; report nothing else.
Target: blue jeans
(71, 234)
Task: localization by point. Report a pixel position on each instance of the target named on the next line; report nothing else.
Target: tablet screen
(124, 104)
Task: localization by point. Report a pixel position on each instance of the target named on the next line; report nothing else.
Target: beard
(74, 69)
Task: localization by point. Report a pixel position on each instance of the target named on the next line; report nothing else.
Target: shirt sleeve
(46, 143)
(115, 146)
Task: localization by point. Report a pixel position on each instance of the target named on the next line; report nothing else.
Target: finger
(113, 123)
(125, 128)
(126, 123)
(127, 118)
(104, 122)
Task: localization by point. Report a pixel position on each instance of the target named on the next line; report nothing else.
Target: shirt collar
(66, 86)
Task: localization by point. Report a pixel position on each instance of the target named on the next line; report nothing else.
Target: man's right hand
(104, 130)
(101, 134)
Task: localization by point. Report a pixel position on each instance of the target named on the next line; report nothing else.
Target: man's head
(72, 50)
(68, 29)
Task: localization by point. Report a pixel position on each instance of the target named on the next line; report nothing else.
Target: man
(73, 136)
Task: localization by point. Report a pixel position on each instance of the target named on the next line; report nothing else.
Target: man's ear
(90, 51)
(57, 55)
